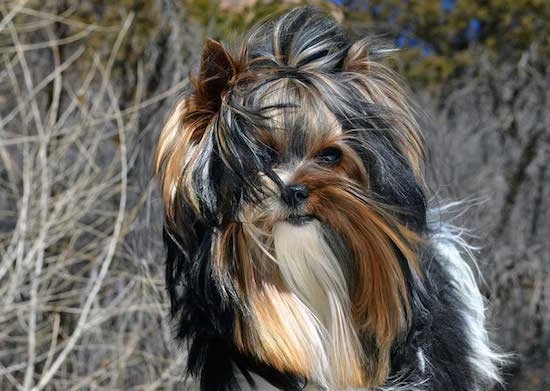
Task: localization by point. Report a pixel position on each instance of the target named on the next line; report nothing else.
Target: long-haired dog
(300, 250)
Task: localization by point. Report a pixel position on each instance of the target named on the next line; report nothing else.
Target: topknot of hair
(305, 39)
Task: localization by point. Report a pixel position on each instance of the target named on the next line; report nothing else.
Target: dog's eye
(270, 156)
(329, 156)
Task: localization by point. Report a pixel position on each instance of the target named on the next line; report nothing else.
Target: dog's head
(301, 161)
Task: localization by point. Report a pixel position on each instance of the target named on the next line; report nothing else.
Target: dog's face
(300, 162)
(304, 158)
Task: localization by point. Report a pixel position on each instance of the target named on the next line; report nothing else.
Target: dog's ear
(182, 139)
(216, 69)
(357, 58)
(381, 89)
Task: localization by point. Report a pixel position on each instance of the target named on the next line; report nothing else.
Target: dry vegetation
(82, 302)
(82, 298)
(490, 140)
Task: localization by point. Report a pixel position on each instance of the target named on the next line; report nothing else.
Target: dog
(301, 251)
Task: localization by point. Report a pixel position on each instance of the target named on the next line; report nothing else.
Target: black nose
(295, 195)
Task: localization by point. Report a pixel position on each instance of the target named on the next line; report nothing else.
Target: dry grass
(81, 282)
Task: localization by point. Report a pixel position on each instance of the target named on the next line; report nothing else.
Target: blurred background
(84, 89)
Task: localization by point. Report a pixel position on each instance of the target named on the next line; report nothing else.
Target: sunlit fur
(342, 285)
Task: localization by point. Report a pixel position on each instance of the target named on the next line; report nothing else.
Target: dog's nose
(294, 195)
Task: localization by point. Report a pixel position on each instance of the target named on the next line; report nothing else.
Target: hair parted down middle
(295, 212)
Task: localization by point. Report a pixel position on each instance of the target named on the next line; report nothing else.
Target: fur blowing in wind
(299, 249)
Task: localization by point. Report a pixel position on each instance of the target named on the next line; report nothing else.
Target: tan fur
(312, 272)
(379, 296)
(182, 137)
